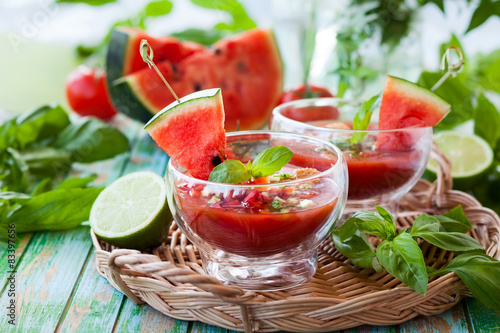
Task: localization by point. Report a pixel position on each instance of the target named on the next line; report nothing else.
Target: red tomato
(301, 92)
(309, 114)
(87, 93)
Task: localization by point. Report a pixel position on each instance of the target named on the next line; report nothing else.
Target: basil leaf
(483, 12)
(200, 36)
(158, 8)
(77, 182)
(43, 186)
(358, 249)
(240, 19)
(374, 224)
(425, 223)
(404, 260)
(455, 220)
(386, 215)
(487, 121)
(47, 161)
(480, 273)
(230, 172)
(362, 119)
(455, 92)
(270, 161)
(456, 242)
(90, 140)
(55, 210)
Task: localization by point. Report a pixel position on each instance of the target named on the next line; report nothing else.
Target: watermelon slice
(405, 104)
(193, 130)
(247, 67)
(123, 57)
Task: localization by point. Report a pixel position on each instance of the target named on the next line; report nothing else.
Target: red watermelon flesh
(192, 131)
(247, 68)
(164, 48)
(406, 105)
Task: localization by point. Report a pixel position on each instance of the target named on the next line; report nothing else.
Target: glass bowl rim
(326, 101)
(332, 169)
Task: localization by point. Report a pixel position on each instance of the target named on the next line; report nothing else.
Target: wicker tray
(339, 296)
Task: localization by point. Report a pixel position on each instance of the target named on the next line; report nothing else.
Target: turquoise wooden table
(57, 288)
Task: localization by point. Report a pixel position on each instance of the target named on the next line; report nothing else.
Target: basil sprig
(401, 256)
(266, 163)
(362, 118)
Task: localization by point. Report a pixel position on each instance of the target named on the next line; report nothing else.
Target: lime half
(470, 157)
(132, 212)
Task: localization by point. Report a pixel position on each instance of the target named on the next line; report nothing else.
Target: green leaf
(455, 220)
(362, 119)
(47, 161)
(374, 224)
(55, 210)
(77, 182)
(158, 8)
(483, 12)
(425, 223)
(90, 140)
(270, 161)
(480, 273)
(88, 2)
(404, 260)
(487, 121)
(240, 19)
(230, 172)
(487, 71)
(14, 175)
(456, 242)
(439, 3)
(205, 37)
(358, 249)
(43, 186)
(455, 92)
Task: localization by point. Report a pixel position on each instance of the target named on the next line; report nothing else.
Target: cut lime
(132, 212)
(471, 157)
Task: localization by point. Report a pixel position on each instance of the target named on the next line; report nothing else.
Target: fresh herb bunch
(401, 256)
(37, 150)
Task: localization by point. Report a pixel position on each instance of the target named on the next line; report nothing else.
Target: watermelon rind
(185, 103)
(115, 58)
(127, 100)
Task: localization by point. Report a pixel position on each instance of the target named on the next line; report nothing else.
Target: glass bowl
(244, 238)
(383, 165)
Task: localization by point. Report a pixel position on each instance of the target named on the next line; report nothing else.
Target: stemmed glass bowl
(383, 165)
(245, 238)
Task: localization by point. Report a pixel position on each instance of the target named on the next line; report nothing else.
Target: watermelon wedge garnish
(193, 130)
(404, 105)
(247, 67)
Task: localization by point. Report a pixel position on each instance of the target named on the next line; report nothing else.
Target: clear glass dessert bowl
(383, 165)
(263, 236)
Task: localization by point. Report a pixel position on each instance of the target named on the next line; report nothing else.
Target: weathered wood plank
(46, 275)
(451, 321)
(5, 264)
(199, 327)
(95, 303)
(483, 319)
(144, 318)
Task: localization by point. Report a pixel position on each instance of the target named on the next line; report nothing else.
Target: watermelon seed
(241, 66)
(218, 51)
(216, 160)
(197, 87)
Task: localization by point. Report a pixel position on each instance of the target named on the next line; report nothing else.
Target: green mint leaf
(455, 92)
(480, 273)
(55, 210)
(270, 161)
(230, 172)
(358, 249)
(455, 220)
(404, 260)
(158, 8)
(362, 119)
(487, 121)
(90, 140)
